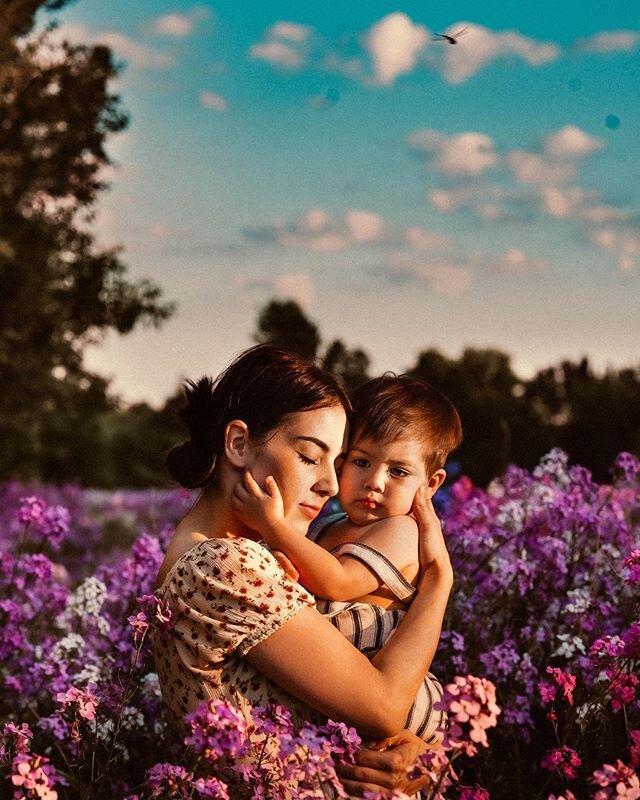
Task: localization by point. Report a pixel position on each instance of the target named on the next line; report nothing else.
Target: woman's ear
(236, 442)
(435, 481)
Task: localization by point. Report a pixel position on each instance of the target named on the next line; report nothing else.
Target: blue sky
(408, 192)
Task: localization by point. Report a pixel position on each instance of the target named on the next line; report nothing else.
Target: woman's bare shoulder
(181, 542)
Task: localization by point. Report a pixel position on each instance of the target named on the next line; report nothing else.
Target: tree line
(60, 291)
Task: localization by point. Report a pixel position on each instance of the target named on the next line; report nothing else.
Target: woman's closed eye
(307, 460)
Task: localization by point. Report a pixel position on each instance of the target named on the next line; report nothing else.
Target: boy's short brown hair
(397, 406)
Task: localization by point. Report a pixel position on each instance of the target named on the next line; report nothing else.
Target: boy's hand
(262, 510)
(432, 548)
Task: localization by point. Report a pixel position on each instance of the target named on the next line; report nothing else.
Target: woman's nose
(327, 486)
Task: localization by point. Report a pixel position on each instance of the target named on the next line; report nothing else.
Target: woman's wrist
(439, 570)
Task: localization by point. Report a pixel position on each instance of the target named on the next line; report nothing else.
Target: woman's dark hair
(262, 386)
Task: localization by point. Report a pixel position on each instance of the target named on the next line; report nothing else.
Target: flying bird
(451, 38)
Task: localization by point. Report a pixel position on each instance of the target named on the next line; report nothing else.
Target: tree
(486, 392)
(284, 324)
(58, 290)
(352, 366)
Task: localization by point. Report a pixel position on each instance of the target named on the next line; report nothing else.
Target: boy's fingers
(251, 484)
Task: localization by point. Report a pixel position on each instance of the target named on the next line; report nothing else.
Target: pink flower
(618, 778)
(470, 704)
(475, 792)
(36, 780)
(78, 701)
(563, 759)
(139, 623)
(565, 680)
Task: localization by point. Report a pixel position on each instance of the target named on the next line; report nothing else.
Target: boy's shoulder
(394, 537)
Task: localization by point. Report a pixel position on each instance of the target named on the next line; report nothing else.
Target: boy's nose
(375, 481)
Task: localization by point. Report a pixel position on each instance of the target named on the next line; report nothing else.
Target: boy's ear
(435, 481)
(236, 442)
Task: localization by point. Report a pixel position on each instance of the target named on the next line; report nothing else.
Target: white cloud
(135, 53)
(295, 286)
(364, 226)
(445, 279)
(318, 230)
(571, 142)
(609, 42)
(420, 239)
(293, 31)
(213, 100)
(394, 45)
(279, 54)
(462, 154)
(528, 167)
(479, 47)
(484, 200)
(177, 25)
(625, 243)
(514, 259)
(285, 45)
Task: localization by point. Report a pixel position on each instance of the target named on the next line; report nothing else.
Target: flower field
(540, 652)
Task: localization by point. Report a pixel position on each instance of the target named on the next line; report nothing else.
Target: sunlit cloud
(620, 41)
(213, 100)
(477, 47)
(574, 202)
(318, 230)
(178, 25)
(323, 232)
(485, 201)
(557, 159)
(515, 260)
(442, 277)
(284, 45)
(394, 45)
(124, 47)
(623, 242)
(461, 154)
(571, 142)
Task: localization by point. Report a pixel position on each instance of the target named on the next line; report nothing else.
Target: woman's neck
(213, 516)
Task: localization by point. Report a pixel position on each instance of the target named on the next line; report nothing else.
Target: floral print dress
(226, 596)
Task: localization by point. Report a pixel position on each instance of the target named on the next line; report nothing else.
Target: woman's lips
(311, 511)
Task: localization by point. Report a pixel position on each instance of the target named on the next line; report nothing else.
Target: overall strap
(319, 526)
(380, 565)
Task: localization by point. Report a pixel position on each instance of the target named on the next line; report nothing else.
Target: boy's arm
(320, 572)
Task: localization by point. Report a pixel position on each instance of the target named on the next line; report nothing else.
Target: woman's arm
(312, 660)
(318, 571)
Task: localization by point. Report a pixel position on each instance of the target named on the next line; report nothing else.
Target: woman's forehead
(324, 427)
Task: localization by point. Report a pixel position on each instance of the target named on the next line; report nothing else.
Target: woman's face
(301, 455)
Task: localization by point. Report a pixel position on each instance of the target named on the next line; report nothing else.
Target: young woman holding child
(243, 631)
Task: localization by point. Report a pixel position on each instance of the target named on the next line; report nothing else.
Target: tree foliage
(59, 290)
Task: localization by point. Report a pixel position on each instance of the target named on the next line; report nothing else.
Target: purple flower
(31, 510)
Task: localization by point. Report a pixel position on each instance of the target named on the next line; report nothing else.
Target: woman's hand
(384, 766)
(262, 510)
(432, 549)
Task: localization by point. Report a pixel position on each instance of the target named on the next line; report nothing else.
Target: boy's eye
(306, 459)
(396, 472)
(360, 462)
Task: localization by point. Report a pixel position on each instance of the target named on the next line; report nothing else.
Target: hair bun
(189, 465)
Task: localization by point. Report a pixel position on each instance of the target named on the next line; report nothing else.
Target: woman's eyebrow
(322, 445)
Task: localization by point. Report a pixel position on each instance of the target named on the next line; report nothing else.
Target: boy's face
(380, 480)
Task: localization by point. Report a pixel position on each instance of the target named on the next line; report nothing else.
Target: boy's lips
(366, 502)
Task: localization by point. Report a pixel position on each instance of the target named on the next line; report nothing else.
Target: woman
(243, 631)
